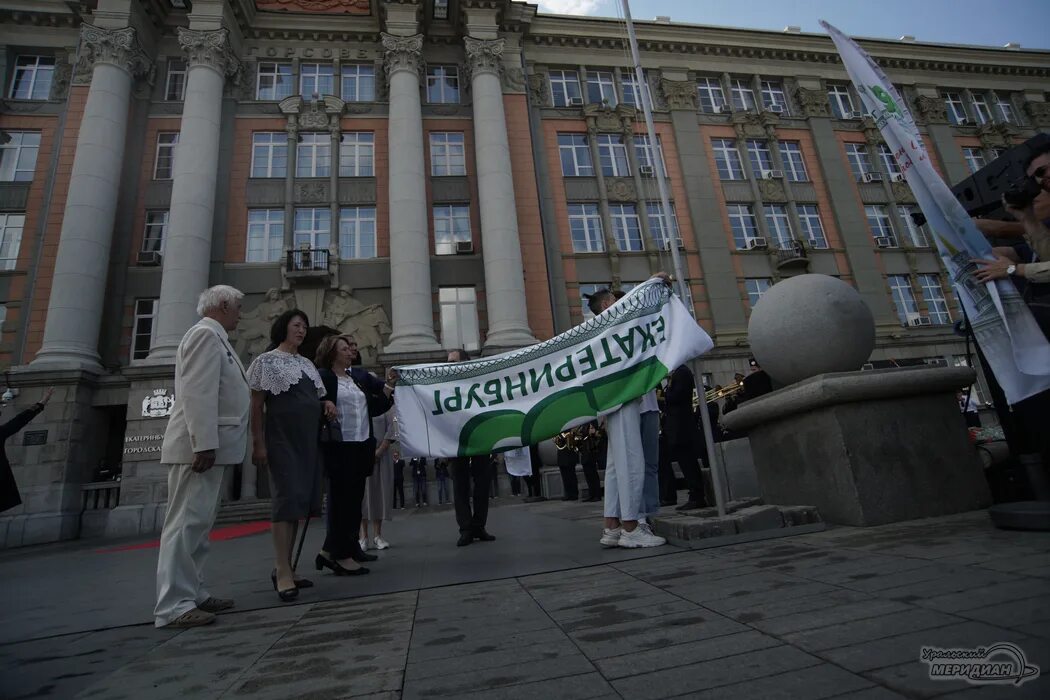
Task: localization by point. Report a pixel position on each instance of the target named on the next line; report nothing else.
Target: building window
(709, 95)
(359, 82)
(451, 226)
(773, 95)
(32, 77)
(357, 154)
(956, 109)
(313, 154)
(585, 226)
(316, 80)
(601, 87)
(357, 233)
(164, 165)
(447, 155)
(743, 224)
(643, 152)
(575, 155)
(756, 287)
(627, 228)
(996, 152)
(658, 224)
(145, 325)
(175, 87)
(742, 93)
(1004, 108)
(841, 101)
(265, 235)
(586, 290)
(11, 226)
(759, 155)
(313, 228)
(565, 88)
(778, 224)
(888, 161)
(916, 234)
(612, 154)
(632, 93)
(933, 294)
(794, 163)
(727, 159)
(18, 156)
(459, 318)
(879, 223)
(981, 110)
(274, 81)
(903, 298)
(974, 159)
(155, 233)
(442, 85)
(269, 154)
(812, 227)
(859, 161)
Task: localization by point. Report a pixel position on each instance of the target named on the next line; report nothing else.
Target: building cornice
(596, 33)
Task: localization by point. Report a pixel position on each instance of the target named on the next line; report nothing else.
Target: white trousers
(193, 503)
(625, 463)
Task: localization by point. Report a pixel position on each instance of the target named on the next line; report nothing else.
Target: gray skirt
(293, 420)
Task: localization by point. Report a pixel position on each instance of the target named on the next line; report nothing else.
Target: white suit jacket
(212, 400)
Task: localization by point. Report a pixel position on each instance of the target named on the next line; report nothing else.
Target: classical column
(74, 311)
(501, 249)
(411, 297)
(187, 249)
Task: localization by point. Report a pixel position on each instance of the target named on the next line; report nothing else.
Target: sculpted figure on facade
(118, 47)
(368, 324)
(539, 90)
(1038, 112)
(813, 103)
(253, 332)
(932, 110)
(679, 94)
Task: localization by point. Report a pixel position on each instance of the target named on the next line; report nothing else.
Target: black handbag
(331, 431)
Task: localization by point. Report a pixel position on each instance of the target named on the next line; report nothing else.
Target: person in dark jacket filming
(9, 496)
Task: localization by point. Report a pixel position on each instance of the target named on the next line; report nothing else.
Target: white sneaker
(611, 538)
(641, 536)
(381, 543)
(364, 544)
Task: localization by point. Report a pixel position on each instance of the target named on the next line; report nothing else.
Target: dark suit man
(686, 443)
(467, 470)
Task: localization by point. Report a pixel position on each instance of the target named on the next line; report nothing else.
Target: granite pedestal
(866, 448)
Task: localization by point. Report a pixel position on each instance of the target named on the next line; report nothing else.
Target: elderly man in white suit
(207, 431)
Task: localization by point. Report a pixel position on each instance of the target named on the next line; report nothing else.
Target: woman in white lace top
(286, 420)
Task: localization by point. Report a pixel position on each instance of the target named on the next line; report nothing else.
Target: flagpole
(676, 258)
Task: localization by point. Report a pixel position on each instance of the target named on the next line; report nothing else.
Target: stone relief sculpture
(368, 323)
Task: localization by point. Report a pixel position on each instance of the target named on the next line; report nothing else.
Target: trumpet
(718, 394)
(566, 440)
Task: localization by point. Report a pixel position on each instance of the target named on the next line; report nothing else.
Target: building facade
(427, 174)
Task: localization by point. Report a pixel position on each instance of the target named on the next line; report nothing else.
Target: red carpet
(229, 532)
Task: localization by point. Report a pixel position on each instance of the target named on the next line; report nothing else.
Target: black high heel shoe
(337, 569)
(287, 595)
(299, 583)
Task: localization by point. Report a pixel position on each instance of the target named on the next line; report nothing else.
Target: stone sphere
(809, 325)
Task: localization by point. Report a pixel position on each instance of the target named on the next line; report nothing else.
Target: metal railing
(307, 260)
(791, 251)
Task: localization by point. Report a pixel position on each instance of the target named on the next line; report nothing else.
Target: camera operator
(1029, 204)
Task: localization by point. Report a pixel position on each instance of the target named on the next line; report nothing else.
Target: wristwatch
(1011, 270)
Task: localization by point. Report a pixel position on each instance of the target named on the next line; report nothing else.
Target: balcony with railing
(309, 266)
(791, 253)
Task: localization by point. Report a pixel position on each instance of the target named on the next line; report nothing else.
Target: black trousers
(567, 466)
(668, 490)
(515, 486)
(464, 471)
(399, 492)
(590, 474)
(347, 465)
(685, 455)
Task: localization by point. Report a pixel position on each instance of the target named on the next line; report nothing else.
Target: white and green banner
(521, 397)
(1017, 351)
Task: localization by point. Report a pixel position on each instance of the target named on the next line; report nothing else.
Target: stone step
(745, 516)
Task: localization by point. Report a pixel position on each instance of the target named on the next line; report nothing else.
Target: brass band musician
(568, 457)
(590, 439)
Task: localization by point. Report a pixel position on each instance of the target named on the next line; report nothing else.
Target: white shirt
(649, 402)
(352, 407)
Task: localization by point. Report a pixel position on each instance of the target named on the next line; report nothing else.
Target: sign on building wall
(158, 404)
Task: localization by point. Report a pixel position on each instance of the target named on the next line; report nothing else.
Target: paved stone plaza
(542, 613)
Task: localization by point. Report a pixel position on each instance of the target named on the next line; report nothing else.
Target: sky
(984, 22)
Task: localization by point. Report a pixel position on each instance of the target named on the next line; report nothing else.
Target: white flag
(1016, 349)
(524, 396)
